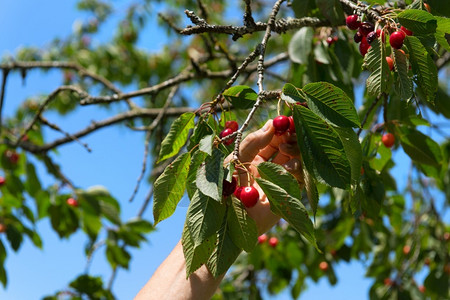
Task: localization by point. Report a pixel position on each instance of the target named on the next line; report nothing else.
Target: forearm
(169, 280)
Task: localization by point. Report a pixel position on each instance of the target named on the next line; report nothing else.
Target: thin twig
(50, 98)
(369, 111)
(248, 18)
(94, 126)
(260, 68)
(2, 96)
(26, 65)
(150, 129)
(56, 127)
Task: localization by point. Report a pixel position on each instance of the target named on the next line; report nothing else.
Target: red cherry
(12, 156)
(390, 62)
(371, 37)
(281, 124)
(406, 31)
(249, 196)
(358, 37)
(427, 261)
(427, 7)
(352, 22)
(323, 266)
(362, 171)
(422, 289)
(332, 40)
(224, 133)
(2, 227)
(387, 281)
(388, 140)
(228, 188)
(273, 242)
(2, 180)
(447, 236)
(237, 192)
(396, 39)
(72, 202)
(381, 32)
(291, 125)
(406, 249)
(262, 238)
(366, 28)
(233, 125)
(364, 47)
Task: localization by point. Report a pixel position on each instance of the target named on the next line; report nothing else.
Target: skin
(169, 280)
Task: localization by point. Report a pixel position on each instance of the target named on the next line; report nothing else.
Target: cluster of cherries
(249, 195)
(273, 241)
(366, 34)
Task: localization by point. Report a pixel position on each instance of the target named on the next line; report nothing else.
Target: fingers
(290, 150)
(255, 141)
(294, 166)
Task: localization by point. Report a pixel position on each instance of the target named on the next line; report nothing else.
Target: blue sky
(34, 273)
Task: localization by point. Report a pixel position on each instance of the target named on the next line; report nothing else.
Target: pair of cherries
(230, 128)
(248, 195)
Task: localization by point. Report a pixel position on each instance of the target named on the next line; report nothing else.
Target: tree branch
(26, 65)
(280, 26)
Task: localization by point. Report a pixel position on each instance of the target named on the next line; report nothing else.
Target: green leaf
(289, 208)
(104, 203)
(321, 148)
(311, 190)
(32, 184)
(177, 136)
(241, 96)
(14, 237)
(420, 147)
(375, 62)
(140, 225)
(321, 53)
(191, 183)
(204, 217)
(353, 150)
(117, 256)
(88, 285)
(201, 131)
(91, 225)
(418, 21)
(443, 28)
(405, 82)
(300, 45)
(332, 104)
(331, 10)
(210, 175)
(280, 176)
(424, 66)
(225, 252)
(242, 227)
(63, 219)
(3, 276)
(291, 94)
(169, 187)
(196, 256)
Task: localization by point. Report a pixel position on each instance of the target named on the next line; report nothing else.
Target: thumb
(256, 141)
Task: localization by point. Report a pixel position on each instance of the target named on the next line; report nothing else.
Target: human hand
(261, 146)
